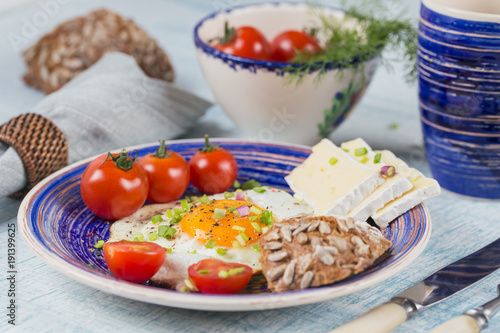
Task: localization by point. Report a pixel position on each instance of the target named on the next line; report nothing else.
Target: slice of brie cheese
(423, 188)
(392, 187)
(331, 181)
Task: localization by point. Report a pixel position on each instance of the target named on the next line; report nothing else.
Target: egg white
(187, 250)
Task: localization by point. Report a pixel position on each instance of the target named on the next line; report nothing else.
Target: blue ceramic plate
(55, 223)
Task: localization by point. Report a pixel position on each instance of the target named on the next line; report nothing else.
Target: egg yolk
(199, 223)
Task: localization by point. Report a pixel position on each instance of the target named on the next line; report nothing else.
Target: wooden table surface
(48, 301)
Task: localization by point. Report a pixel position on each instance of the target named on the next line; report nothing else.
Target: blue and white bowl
(254, 94)
(459, 81)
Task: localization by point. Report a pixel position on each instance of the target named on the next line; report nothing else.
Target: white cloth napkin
(111, 105)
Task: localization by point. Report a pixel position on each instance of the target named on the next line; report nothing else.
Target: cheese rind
(423, 188)
(333, 189)
(392, 187)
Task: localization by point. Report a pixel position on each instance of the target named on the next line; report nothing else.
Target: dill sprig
(349, 48)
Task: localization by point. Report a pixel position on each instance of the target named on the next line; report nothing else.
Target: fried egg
(200, 234)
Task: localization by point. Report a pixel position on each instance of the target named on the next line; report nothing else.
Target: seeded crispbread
(75, 45)
(313, 251)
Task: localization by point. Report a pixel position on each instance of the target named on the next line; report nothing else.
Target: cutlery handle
(382, 319)
(458, 324)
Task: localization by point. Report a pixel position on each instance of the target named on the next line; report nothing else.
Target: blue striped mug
(459, 93)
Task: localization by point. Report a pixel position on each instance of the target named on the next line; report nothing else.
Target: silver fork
(472, 320)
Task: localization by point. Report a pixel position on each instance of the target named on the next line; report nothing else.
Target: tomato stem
(208, 146)
(122, 161)
(229, 33)
(162, 151)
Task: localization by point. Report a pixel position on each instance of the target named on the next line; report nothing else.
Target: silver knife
(430, 291)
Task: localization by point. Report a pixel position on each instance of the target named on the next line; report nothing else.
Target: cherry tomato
(114, 186)
(134, 261)
(168, 174)
(214, 276)
(213, 169)
(246, 42)
(283, 45)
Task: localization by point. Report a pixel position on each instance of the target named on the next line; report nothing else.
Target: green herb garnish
(346, 47)
(157, 219)
(250, 184)
(379, 29)
(99, 244)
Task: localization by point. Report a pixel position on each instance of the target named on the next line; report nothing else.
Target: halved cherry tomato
(134, 261)
(114, 186)
(214, 276)
(246, 42)
(213, 169)
(284, 45)
(168, 174)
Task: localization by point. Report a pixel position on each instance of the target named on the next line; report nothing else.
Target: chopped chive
(236, 227)
(265, 229)
(332, 161)
(192, 252)
(236, 184)
(256, 226)
(253, 218)
(176, 219)
(240, 240)
(166, 231)
(239, 190)
(99, 244)
(236, 244)
(364, 159)
(210, 244)
(236, 213)
(184, 205)
(204, 199)
(223, 274)
(228, 195)
(184, 289)
(244, 236)
(170, 232)
(255, 210)
(259, 189)
(237, 270)
(346, 150)
(394, 126)
(169, 250)
(169, 214)
(178, 211)
(138, 236)
(377, 158)
(221, 251)
(157, 219)
(219, 214)
(194, 199)
(256, 247)
(153, 236)
(250, 184)
(162, 230)
(360, 151)
(231, 209)
(203, 271)
(267, 218)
